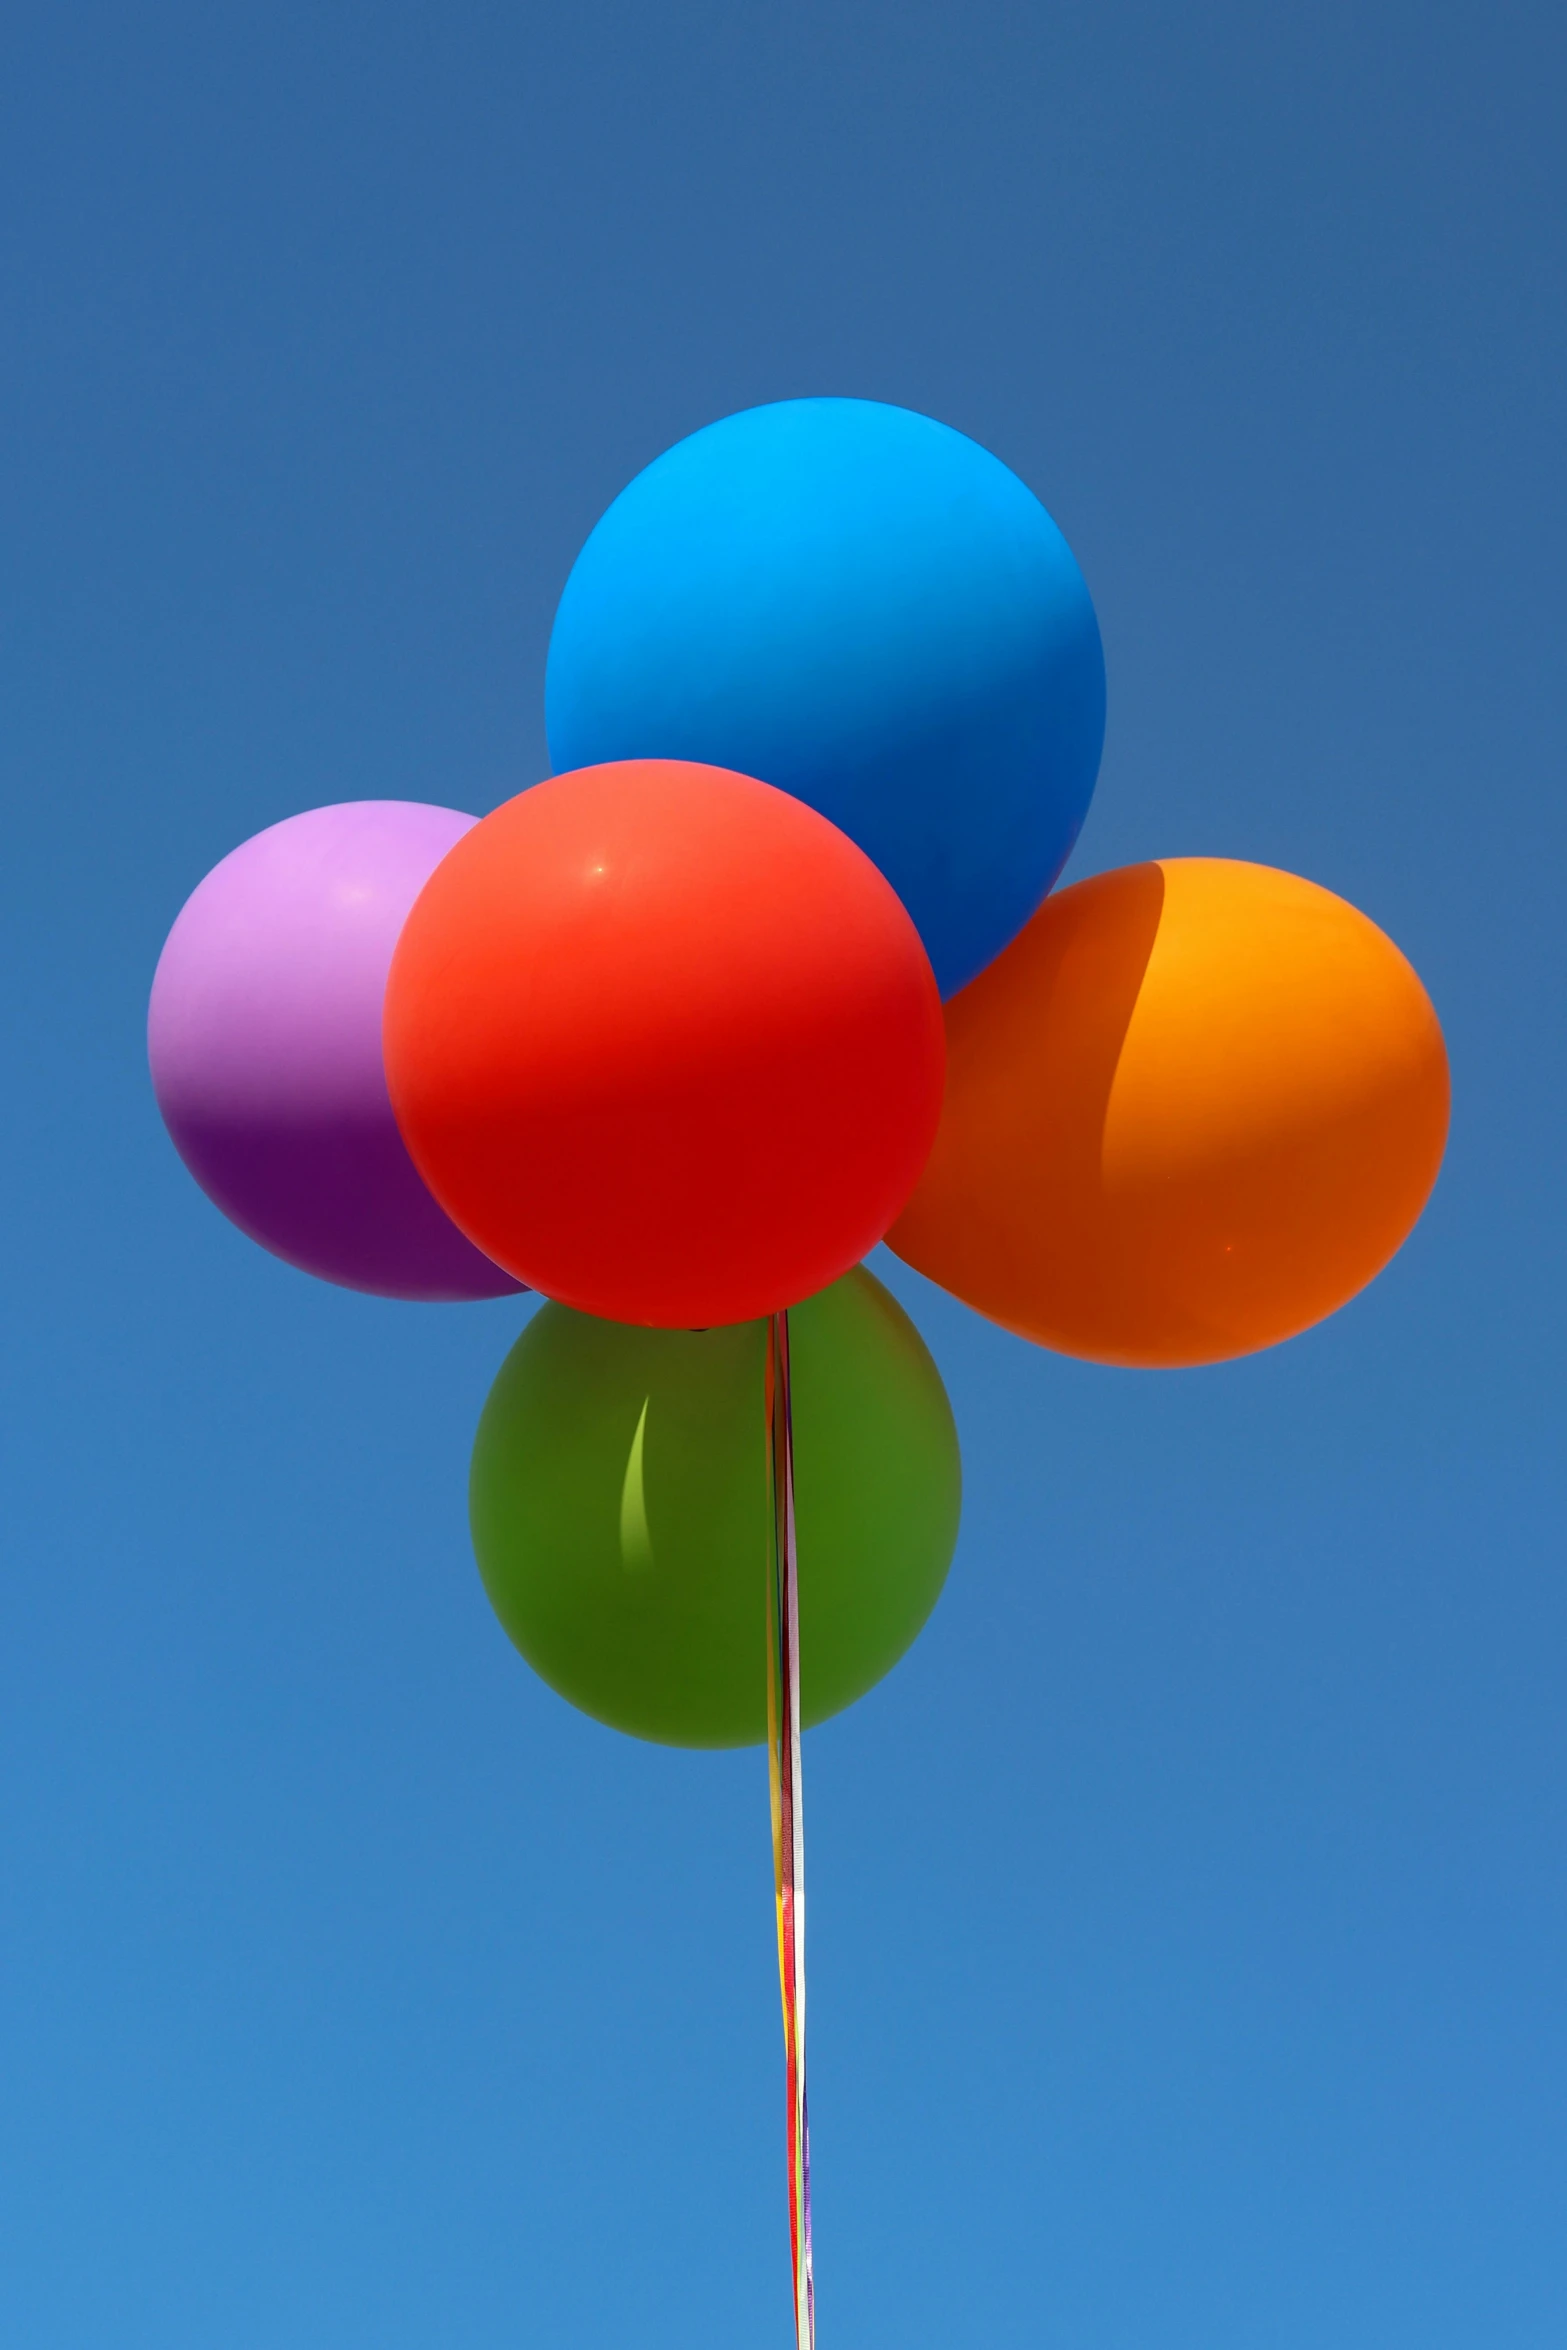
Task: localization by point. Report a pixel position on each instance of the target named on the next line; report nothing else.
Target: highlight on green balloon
(621, 1518)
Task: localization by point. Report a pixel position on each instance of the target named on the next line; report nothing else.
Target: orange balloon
(1190, 1110)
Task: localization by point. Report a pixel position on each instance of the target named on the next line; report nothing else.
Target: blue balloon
(870, 611)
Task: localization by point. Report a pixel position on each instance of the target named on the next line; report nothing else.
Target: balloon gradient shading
(665, 1044)
(264, 1036)
(1194, 1108)
(619, 1508)
(867, 609)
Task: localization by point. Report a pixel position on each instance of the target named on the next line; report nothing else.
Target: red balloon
(664, 1043)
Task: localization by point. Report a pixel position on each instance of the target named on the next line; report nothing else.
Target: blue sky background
(1189, 1924)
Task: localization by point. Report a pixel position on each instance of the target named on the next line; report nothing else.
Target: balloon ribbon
(783, 1754)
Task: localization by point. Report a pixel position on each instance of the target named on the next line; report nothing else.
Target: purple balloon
(264, 1035)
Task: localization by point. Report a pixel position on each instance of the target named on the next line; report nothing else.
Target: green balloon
(621, 1517)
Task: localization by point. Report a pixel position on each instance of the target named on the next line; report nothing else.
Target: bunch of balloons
(664, 1038)
(766, 972)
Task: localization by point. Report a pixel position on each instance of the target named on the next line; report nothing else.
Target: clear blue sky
(1189, 1923)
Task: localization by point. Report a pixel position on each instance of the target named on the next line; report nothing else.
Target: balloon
(870, 611)
(1193, 1109)
(665, 1044)
(264, 1035)
(620, 1511)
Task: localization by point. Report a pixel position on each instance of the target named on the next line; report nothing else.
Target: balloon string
(783, 1748)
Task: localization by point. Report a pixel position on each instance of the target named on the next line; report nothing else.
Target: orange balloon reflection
(1194, 1107)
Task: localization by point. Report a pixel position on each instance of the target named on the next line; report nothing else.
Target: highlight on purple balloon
(264, 1035)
